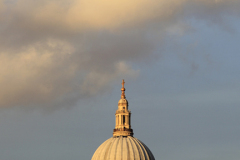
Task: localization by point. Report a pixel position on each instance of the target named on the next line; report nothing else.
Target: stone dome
(123, 148)
(122, 101)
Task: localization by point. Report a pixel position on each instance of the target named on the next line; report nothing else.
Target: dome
(123, 148)
(122, 101)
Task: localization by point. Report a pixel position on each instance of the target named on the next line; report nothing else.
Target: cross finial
(123, 90)
(123, 83)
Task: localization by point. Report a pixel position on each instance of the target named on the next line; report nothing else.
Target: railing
(123, 111)
(122, 129)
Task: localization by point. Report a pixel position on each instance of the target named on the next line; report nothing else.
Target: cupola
(123, 117)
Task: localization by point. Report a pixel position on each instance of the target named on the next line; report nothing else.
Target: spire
(123, 90)
(123, 117)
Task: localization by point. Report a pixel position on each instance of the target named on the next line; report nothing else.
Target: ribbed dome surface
(123, 148)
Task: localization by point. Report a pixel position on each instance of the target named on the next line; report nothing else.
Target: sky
(62, 63)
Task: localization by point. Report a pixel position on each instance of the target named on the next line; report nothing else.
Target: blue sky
(62, 63)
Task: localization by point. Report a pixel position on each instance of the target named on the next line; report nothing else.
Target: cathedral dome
(123, 148)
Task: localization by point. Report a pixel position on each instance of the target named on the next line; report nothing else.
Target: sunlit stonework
(123, 116)
(123, 146)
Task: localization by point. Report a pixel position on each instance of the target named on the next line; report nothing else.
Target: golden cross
(123, 83)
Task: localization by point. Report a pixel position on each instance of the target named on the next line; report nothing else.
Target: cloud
(43, 72)
(34, 74)
(60, 50)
